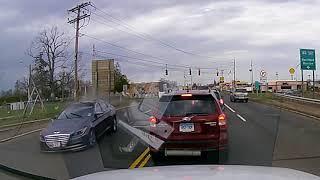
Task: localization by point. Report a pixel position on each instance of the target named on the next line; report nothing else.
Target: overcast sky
(269, 33)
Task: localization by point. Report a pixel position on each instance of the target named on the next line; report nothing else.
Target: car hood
(190, 172)
(68, 126)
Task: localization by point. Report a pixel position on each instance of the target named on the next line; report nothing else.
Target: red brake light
(186, 95)
(222, 119)
(153, 120)
(221, 101)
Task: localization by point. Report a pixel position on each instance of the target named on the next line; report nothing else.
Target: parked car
(239, 94)
(199, 125)
(78, 126)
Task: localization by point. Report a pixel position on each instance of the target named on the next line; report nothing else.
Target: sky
(211, 35)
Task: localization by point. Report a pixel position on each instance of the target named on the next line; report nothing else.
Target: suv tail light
(222, 120)
(153, 120)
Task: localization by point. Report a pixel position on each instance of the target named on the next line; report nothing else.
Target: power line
(180, 66)
(145, 35)
(135, 63)
(148, 55)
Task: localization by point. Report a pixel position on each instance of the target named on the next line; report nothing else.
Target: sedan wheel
(92, 138)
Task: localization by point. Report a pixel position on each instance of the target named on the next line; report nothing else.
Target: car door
(98, 123)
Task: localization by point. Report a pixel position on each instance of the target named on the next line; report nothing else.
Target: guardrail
(297, 98)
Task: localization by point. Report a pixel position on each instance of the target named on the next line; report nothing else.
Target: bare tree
(52, 45)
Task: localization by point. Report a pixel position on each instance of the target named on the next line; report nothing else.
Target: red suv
(198, 124)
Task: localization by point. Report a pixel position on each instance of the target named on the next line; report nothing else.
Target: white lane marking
(243, 119)
(147, 111)
(230, 108)
(20, 135)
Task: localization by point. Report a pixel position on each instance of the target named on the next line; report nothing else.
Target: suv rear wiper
(196, 114)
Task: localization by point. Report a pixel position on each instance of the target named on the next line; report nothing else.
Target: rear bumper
(200, 145)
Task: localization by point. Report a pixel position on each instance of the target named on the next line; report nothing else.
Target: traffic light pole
(313, 84)
(302, 83)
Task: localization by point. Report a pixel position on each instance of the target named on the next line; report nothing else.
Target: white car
(210, 172)
(239, 95)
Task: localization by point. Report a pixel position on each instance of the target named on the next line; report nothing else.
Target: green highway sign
(307, 59)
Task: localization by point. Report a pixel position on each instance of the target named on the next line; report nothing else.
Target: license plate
(56, 144)
(186, 127)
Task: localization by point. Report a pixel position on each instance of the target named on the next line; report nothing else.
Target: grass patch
(262, 97)
(51, 109)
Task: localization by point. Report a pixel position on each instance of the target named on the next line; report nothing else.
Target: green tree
(53, 44)
(120, 79)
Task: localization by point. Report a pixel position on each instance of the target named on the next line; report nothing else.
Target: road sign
(263, 77)
(292, 71)
(257, 85)
(263, 73)
(307, 59)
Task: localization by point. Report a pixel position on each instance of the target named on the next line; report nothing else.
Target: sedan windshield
(76, 111)
(241, 90)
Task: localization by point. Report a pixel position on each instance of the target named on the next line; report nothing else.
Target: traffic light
(190, 71)
(199, 72)
(166, 69)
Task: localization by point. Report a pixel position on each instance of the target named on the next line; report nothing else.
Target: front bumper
(78, 144)
(241, 98)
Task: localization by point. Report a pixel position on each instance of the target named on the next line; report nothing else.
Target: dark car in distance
(198, 122)
(78, 126)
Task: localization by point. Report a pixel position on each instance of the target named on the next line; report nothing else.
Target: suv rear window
(184, 106)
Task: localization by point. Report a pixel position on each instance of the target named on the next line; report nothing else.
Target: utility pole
(109, 78)
(302, 84)
(277, 78)
(97, 79)
(251, 70)
(81, 14)
(62, 82)
(313, 84)
(234, 73)
(93, 52)
(29, 84)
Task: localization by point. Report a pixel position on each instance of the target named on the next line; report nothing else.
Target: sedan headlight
(81, 132)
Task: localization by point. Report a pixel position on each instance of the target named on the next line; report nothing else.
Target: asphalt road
(258, 135)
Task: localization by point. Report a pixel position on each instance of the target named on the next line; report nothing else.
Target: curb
(27, 122)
